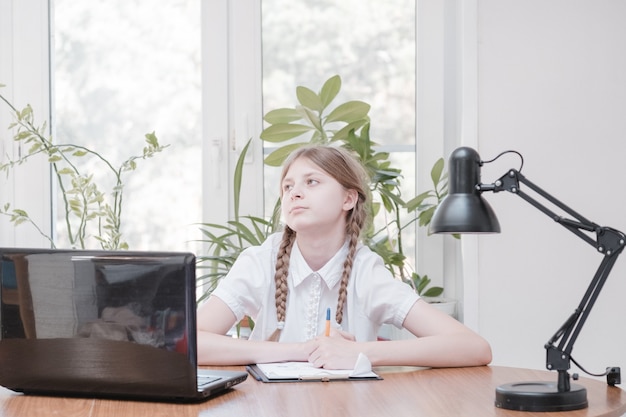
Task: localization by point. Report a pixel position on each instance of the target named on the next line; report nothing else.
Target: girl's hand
(338, 351)
(341, 334)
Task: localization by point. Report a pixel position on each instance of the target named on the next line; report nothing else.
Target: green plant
(421, 285)
(343, 121)
(348, 125)
(84, 203)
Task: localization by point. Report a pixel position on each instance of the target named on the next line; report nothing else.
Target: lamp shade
(464, 210)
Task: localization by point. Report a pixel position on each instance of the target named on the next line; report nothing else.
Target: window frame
(25, 69)
(231, 106)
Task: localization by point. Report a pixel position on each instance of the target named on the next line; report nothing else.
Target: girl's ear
(352, 197)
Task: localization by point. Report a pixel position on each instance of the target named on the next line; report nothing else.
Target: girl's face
(312, 200)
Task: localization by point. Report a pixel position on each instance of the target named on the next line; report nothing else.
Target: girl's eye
(287, 187)
(312, 182)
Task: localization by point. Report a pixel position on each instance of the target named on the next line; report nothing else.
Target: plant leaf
(152, 140)
(277, 157)
(344, 132)
(436, 171)
(415, 202)
(308, 98)
(349, 112)
(330, 89)
(312, 117)
(433, 292)
(239, 174)
(284, 115)
(281, 132)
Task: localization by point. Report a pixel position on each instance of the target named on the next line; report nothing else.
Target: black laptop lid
(101, 323)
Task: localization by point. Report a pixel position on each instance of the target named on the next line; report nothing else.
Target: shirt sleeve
(383, 298)
(246, 285)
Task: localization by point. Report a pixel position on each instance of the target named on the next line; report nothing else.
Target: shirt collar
(330, 272)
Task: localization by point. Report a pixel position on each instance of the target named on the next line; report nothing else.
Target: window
(221, 91)
(123, 69)
(216, 80)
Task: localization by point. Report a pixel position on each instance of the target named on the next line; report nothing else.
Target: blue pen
(327, 333)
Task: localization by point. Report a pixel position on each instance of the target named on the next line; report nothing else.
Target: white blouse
(374, 296)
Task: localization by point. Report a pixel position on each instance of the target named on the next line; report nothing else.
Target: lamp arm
(567, 331)
(608, 241)
(511, 181)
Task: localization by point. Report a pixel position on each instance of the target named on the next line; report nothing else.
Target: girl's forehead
(303, 166)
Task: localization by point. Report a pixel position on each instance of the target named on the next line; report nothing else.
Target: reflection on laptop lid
(103, 324)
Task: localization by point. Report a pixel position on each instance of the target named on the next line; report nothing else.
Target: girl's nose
(295, 193)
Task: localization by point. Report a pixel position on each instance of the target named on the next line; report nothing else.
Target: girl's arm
(215, 319)
(441, 341)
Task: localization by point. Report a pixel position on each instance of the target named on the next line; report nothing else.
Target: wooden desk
(403, 392)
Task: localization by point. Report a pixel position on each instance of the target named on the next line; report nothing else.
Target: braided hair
(346, 169)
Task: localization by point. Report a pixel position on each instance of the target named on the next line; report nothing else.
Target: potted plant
(347, 125)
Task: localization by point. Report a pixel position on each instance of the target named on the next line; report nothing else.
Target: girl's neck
(319, 250)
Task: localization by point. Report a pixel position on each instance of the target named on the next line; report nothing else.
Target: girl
(287, 284)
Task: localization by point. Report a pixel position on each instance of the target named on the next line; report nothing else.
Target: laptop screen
(98, 322)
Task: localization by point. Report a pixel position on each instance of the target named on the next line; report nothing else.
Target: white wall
(552, 85)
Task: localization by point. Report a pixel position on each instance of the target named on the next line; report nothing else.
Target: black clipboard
(259, 375)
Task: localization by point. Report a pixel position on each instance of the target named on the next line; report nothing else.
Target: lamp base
(540, 396)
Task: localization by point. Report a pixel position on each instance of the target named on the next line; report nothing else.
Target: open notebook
(102, 323)
(304, 371)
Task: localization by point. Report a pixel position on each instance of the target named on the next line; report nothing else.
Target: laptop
(98, 323)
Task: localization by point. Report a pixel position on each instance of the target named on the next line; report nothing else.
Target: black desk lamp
(465, 211)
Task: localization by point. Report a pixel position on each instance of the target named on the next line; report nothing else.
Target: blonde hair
(346, 169)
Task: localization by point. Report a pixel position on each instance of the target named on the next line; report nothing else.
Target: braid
(353, 229)
(280, 278)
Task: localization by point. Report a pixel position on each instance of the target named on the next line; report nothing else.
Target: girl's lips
(296, 208)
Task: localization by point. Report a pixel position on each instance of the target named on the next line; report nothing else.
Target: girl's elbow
(484, 355)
